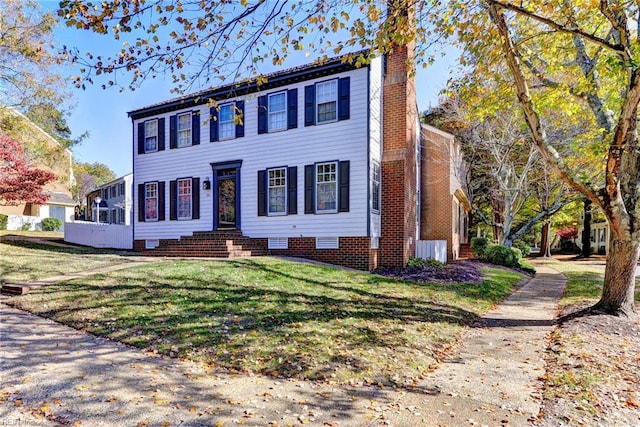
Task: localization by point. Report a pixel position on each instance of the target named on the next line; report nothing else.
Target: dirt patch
(459, 272)
(592, 372)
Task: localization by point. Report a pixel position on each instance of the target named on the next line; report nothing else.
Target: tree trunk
(586, 230)
(620, 278)
(545, 244)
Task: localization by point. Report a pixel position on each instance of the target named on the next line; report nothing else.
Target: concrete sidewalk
(54, 375)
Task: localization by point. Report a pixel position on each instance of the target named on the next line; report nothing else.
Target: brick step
(465, 251)
(215, 244)
(11, 289)
(202, 254)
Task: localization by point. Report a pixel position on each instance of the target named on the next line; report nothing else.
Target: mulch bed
(458, 271)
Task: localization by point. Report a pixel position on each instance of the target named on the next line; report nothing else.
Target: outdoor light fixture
(98, 200)
(206, 184)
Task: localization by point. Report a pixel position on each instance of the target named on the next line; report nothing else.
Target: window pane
(375, 186)
(327, 101)
(277, 111)
(151, 201)
(227, 121)
(277, 190)
(184, 130)
(184, 199)
(327, 189)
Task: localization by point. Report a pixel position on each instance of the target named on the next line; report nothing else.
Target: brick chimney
(399, 155)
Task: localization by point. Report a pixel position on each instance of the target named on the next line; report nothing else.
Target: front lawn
(276, 317)
(23, 261)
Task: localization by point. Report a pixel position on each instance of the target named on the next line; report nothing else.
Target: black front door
(227, 198)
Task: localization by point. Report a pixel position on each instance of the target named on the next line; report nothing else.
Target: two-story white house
(320, 161)
(116, 202)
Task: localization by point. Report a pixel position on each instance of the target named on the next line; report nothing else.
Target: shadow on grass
(297, 326)
(76, 250)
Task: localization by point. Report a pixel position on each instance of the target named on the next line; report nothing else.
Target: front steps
(213, 244)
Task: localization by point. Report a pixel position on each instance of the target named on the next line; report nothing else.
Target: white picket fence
(87, 233)
(436, 249)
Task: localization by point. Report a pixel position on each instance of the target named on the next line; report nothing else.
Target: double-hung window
(277, 187)
(184, 130)
(184, 198)
(227, 118)
(151, 136)
(327, 101)
(327, 187)
(151, 201)
(277, 111)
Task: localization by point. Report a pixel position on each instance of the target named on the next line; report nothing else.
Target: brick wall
(353, 252)
(399, 192)
(436, 216)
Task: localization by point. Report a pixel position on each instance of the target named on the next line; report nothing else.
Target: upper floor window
(327, 101)
(151, 136)
(151, 201)
(122, 189)
(184, 129)
(184, 198)
(113, 191)
(227, 118)
(277, 191)
(277, 111)
(327, 187)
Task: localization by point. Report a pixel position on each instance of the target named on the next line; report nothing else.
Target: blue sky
(103, 113)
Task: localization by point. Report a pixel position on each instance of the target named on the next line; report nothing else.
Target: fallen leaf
(144, 423)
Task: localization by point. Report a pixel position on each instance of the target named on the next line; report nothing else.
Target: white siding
(375, 133)
(342, 140)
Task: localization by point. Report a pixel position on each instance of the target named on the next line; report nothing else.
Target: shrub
(26, 226)
(523, 246)
(51, 224)
(479, 245)
(4, 221)
(424, 263)
(502, 255)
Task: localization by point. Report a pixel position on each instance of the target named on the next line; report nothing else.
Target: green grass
(38, 234)
(23, 261)
(584, 282)
(276, 317)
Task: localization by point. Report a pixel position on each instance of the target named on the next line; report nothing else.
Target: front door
(226, 196)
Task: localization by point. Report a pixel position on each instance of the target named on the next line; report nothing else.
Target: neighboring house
(116, 206)
(321, 161)
(599, 237)
(45, 153)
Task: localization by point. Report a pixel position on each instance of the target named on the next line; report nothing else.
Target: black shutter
(161, 204)
(161, 134)
(195, 127)
(292, 108)
(262, 193)
(239, 119)
(343, 186)
(214, 125)
(195, 198)
(141, 138)
(173, 131)
(292, 190)
(140, 202)
(173, 200)
(309, 189)
(310, 105)
(262, 114)
(343, 98)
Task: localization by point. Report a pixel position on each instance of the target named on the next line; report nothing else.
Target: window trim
(157, 199)
(232, 106)
(335, 101)
(146, 136)
(284, 187)
(190, 129)
(271, 112)
(336, 187)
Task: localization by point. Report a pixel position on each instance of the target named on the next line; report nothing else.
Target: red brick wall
(399, 192)
(353, 252)
(436, 216)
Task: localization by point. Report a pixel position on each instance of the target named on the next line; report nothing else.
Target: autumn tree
(28, 61)
(88, 177)
(20, 181)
